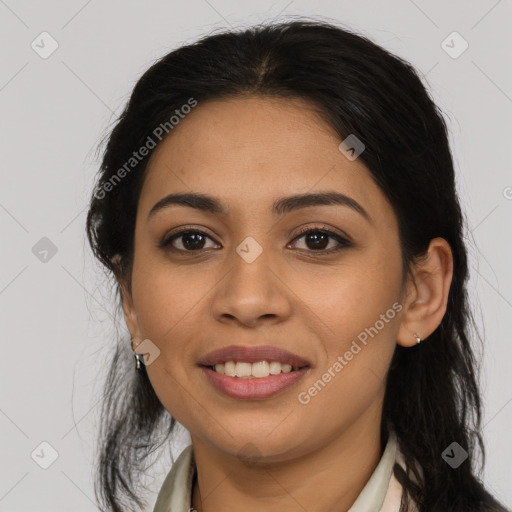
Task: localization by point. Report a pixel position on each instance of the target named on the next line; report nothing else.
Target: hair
(432, 396)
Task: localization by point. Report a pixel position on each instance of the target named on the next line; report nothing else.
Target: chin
(258, 444)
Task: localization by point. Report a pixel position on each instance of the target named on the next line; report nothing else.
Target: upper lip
(252, 354)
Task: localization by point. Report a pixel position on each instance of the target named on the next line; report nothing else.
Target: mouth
(253, 372)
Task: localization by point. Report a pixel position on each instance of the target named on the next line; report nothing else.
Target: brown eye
(319, 240)
(190, 241)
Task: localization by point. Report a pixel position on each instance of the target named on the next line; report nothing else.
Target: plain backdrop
(56, 327)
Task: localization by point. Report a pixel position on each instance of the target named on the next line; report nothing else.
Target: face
(246, 276)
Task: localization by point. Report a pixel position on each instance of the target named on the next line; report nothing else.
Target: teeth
(243, 369)
(229, 369)
(257, 370)
(286, 368)
(275, 368)
(261, 369)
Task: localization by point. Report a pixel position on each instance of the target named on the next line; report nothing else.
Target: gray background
(55, 315)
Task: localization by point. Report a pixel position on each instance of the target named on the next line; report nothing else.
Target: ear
(427, 293)
(130, 314)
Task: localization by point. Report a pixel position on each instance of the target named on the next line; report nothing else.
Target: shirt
(382, 492)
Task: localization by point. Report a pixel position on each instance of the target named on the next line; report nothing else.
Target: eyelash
(343, 242)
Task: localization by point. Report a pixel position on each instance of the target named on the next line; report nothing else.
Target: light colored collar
(382, 492)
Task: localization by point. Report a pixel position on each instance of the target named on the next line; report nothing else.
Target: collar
(382, 492)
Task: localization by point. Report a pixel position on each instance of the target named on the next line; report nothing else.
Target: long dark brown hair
(432, 395)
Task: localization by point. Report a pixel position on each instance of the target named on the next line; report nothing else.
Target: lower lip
(254, 388)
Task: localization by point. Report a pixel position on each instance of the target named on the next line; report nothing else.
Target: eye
(317, 240)
(190, 241)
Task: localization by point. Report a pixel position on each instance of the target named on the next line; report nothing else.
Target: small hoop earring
(418, 340)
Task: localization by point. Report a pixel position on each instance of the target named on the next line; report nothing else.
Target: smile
(252, 372)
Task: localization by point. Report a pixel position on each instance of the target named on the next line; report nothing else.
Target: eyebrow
(280, 207)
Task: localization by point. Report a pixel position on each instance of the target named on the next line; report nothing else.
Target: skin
(248, 152)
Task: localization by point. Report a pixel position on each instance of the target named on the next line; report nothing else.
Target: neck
(328, 478)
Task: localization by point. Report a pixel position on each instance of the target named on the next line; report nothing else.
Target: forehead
(251, 151)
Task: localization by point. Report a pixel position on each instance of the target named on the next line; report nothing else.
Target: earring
(138, 357)
(418, 340)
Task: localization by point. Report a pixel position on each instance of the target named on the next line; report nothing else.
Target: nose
(252, 293)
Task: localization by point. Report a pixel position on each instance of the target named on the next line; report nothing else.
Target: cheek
(165, 296)
(358, 309)
(167, 315)
(351, 376)
(352, 297)
(166, 310)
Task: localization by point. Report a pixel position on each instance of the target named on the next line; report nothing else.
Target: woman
(279, 208)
